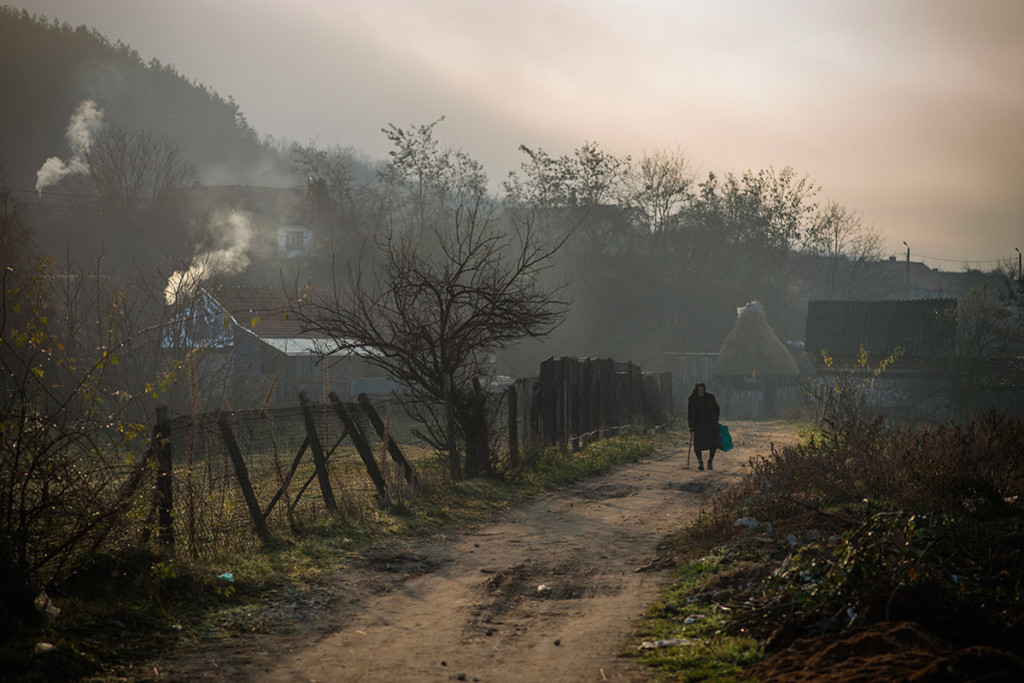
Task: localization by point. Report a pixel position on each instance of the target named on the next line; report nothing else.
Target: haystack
(752, 350)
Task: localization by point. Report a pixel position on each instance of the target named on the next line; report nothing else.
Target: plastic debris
(227, 576)
(44, 605)
(748, 523)
(667, 642)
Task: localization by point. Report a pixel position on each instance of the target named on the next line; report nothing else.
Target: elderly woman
(702, 413)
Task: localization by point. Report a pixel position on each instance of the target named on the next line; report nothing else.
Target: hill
(50, 68)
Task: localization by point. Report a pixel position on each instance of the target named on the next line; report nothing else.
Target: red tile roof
(265, 311)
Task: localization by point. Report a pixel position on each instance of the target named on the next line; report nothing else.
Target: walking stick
(688, 449)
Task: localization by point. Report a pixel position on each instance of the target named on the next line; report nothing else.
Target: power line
(962, 260)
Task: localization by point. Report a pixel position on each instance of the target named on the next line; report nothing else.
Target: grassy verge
(849, 532)
(118, 613)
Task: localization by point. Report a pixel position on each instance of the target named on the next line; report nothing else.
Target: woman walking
(702, 413)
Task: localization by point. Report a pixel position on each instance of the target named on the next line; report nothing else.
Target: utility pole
(908, 263)
(1018, 264)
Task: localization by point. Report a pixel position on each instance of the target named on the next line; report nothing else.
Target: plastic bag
(724, 438)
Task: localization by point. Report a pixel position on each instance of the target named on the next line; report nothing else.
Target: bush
(70, 465)
(924, 526)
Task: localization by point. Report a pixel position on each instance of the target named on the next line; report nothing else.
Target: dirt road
(549, 593)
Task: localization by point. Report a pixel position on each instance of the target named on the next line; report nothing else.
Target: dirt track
(549, 593)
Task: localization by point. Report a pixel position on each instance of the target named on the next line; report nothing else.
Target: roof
(915, 280)
(264, 311)
(922, 327)
(314, 346)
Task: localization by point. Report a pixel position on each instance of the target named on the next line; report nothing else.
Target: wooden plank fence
(580, 400)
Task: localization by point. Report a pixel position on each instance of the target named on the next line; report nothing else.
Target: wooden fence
(227, 477)
(579, 400)
(741, 398)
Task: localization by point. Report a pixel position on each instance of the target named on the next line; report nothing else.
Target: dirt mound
(889, 652)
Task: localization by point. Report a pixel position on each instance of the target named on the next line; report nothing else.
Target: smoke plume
(232, 231)
(85, 123)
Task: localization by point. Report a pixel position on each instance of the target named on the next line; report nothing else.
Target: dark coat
(702, 413)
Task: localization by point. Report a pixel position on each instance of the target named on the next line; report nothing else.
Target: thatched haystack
(752, 350)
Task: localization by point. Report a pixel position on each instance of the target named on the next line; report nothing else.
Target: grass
(691, 610)
(120, 612)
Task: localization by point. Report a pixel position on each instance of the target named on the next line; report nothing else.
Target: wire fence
(237, 479)
(230, 480)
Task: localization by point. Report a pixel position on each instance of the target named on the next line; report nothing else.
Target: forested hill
(50, 67)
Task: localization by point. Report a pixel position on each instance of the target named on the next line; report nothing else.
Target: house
(922, 332)
(915, 280)
(923, 328)
(282, 218)
(255, 353)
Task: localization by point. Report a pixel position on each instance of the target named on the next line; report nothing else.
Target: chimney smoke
(233, 233)
(85, 123)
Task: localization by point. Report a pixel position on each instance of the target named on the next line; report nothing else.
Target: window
(294, 240)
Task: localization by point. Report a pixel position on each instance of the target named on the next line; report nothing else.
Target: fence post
(453, 449)
(535, 435)
(164, 490)
(665, 385)
(242, 473)
(548, 401)
(654, 410)
(393, 449)
(573, 397)
(361, 445)
(594, 398)
(512, 396)
(609, 395)
(317, 450)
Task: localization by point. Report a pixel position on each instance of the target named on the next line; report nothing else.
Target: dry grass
(920, 526)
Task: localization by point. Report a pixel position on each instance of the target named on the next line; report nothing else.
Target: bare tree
(131, 191)
(71, 430)
(660, 187)
(843, 257)
(434, 309)
(426, 179)
(132, 172)
(15, 236)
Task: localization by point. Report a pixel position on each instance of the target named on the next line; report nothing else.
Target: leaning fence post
(242, 473)
(317, 449)
(164, 489)
(361, 445)
(393, 449)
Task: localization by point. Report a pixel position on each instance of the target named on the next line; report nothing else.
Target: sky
(908, 112)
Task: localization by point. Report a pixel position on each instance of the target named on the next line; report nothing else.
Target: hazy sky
(910, 112)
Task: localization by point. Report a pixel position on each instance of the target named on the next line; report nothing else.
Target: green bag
(724, 438)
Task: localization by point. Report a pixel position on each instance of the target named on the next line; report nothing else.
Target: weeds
(926, 527)
(118, 611)
(684, 636)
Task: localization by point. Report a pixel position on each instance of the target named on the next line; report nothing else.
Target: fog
(906, 112)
